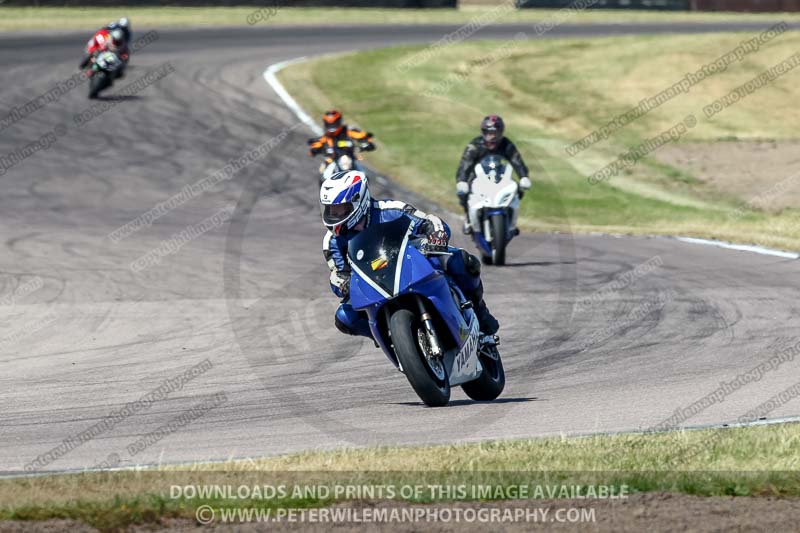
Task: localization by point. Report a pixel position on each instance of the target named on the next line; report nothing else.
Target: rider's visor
(333, 127)
(336, 214)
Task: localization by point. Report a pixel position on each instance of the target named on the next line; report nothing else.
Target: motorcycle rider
(490, 141)
(107, 40)
(336, 131)
(347, 208)
(124, 25)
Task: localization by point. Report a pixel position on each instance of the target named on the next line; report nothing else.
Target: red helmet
(332, 122)
(492, 128)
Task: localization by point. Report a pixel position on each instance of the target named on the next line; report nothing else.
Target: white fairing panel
(332, 168)
(492, 191)
(466, 366)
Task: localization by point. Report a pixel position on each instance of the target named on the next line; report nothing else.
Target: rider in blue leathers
(347, 208)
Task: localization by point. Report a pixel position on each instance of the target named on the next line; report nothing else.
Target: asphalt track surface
(85, 334)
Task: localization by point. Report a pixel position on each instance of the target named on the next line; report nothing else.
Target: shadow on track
(538, 263)
(455, 403)
(119, 97)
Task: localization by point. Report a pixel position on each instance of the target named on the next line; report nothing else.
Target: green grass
(552, 93)
(89, 18)
(754, 461)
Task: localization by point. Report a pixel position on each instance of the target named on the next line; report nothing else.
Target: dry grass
(552, 93)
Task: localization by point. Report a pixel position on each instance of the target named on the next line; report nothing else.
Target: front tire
(100, 81)
(432, 390)
(491, 382)
(499, 240)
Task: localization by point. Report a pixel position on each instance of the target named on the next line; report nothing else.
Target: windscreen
(374, 251)
(494, 167)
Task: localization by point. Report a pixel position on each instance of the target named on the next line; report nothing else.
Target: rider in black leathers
(491, 141)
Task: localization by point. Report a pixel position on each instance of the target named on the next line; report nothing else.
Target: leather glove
(462, 190)
(437, 239)
(341, 280)
(524, 185)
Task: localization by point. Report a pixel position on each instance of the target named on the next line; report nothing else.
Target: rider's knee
(341, 326)
(343, 322)
(471, 263)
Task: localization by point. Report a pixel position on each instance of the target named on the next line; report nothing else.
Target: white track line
(280, 90)
(741, 247)
(272, 80)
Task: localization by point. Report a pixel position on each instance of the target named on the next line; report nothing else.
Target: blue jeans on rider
(468, 279)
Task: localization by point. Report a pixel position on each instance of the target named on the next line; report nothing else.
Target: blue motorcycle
(419, 317)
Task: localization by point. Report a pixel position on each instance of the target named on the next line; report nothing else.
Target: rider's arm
(363, 139)
(316, 146)
(515, 158)
(467, 162)
(340, 273)
(423, 223)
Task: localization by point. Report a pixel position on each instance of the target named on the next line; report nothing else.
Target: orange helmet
(332, 122)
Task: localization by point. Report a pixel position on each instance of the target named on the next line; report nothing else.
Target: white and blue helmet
(344, 200)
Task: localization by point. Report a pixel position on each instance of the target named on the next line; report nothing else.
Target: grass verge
(90, 18)
(554, 92)
(752, 461)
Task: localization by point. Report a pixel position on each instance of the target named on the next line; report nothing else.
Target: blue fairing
(362, 294)
(478, 237)
(482, 243)
(417, 275)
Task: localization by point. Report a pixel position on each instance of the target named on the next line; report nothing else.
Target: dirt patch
(764, 174)
(45, 526)
(640, 512)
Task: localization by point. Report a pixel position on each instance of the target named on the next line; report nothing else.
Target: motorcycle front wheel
(499, 240)
(427, 377)
(100, 81)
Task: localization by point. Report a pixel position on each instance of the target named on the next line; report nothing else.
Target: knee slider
(341, 326)
(472, 263)
(342, 322)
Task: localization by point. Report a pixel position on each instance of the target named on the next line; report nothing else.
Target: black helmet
(492, 128)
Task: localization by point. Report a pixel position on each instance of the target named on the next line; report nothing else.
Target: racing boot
(486, 319)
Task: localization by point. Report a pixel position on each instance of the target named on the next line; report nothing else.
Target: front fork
(430, 332)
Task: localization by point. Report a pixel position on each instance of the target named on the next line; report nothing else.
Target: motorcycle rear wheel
(491, 382)
(432, 390)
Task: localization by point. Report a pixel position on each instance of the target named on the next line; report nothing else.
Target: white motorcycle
(340, 158)
(493, 205)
